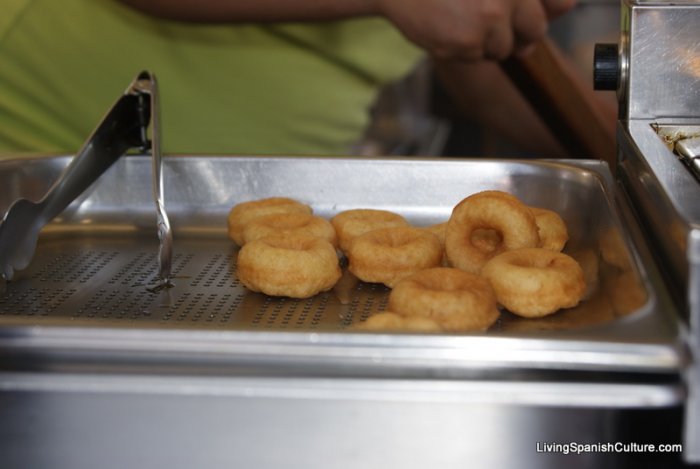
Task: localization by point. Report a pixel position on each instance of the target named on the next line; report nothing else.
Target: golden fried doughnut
(512, 221)
(485, 239)
(439, 230)
(613, 249)
(588, 260)
(241, 214)
(352, 223)
(288, 224)
(389, 254)
(626, 292)
(535, 282)
(388, 321)
(551, 229)
(298, 266)
(456, 300)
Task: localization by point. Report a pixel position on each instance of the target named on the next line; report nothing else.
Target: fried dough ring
(352, 223)
(626, 292)
(590, 265)
(485, 239)
(289, 224)
(297, 266)
(389, 254)
(456, 300)
(551, 229)
(388, 321)
(535, 282)
(439, 230)
(613, 249)
(241, 214)
(512, 221)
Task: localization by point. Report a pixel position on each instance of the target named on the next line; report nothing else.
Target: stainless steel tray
(86, 291)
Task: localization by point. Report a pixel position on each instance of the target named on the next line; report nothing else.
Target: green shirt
(242, 89)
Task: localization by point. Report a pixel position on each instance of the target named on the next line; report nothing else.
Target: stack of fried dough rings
(493, 251)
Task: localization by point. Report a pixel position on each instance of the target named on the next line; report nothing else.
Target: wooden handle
(573, 112)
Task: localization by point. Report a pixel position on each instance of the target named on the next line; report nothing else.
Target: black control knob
(606, 67)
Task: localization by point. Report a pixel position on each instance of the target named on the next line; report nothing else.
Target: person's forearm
(238, 11)
(448, 29)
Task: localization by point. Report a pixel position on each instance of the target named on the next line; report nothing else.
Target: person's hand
(473, 29)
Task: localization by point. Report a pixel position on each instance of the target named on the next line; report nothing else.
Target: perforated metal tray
(88, 285)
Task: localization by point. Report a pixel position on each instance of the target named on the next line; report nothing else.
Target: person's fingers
(556, 8)
(472, 29)
(459, 43)
(497, 35)
(529, 23)
(499, 41)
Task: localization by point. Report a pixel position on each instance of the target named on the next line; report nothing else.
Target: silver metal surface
(660, 110)
(666, 193)
(660, 48)
(689, 147)
(685, 142)
(94, 270)
(114, 421)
